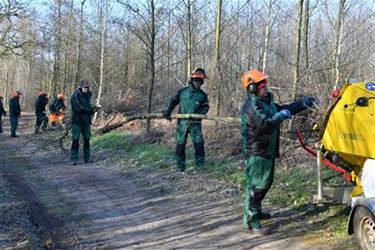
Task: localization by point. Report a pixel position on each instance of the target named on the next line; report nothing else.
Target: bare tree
(219, 77)
(10, 12)
(306, 38)
(267, 36)
(103, 35)
(80, 41)
(297, 49)
(338, 40)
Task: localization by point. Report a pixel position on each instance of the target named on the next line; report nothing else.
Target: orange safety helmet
(16, 93)
(61, 96)
(252, 76)
(199, 73)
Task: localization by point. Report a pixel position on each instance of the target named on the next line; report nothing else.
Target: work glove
(284, 114)
(308, 101)
(167, 116)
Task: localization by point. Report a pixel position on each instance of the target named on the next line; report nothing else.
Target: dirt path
(107, 206)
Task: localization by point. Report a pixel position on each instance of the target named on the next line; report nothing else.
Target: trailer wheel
(364, 228)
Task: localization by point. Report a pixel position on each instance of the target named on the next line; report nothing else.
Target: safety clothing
(57, 108)
(252, 76)
(2, 113)
(199, 73)
(285, 114)
(308, 101)
(191, 101)
(82, 112)
(40, 108)
(260, 122)
(14, 112)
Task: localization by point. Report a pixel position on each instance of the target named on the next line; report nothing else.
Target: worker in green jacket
(40, 112)
(191, 100)
(82, 112)
(14, 112)
(260, 122)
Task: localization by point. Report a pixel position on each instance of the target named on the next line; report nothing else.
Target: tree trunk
(103, 34)
(189, 41)
(152, 64)
(57, 59)
(306, 41)
(297, 50)
(78, 63)
(338, 41)
(66, 48)
(267, 36)
(219, 77)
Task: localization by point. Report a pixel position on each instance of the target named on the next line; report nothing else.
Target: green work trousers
(1, 124)
(194, 128)
(13, 125)
(259, 177)
(41, 121)
(77, 130)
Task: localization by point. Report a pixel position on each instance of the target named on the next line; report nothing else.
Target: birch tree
(338, 41)
(219, 77)
(80, 43)
(267, 36)
(103, 14)
(297, 49)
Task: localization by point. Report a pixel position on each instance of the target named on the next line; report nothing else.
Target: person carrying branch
(82, 111)
(2, 113)
(40, 109)
(14, 112)
(191, 100)
(260, 123)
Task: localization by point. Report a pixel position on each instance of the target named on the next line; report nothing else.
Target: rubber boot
(180, 157)
(74, 152)
(199, 154)
(86, 151)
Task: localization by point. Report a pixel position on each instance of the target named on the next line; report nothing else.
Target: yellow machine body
(349, 129)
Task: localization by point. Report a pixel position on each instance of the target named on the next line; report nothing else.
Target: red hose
(347, 176)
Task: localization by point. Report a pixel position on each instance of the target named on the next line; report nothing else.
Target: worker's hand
(285, 114)
(167, 116)
(308, 101)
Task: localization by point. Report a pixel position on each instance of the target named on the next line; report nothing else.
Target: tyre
(364, 228)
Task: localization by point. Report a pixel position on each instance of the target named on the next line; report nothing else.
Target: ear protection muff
(252, 86)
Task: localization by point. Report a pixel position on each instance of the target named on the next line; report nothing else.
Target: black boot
(86, 151)
(74, 152)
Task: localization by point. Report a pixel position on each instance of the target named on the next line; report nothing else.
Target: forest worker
(261, 119)
(2, 113)
(14, 112)
(57, 108)
(82, 111)
(40, 109)
(191, 100)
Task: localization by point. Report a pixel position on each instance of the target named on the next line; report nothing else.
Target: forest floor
(45, 202)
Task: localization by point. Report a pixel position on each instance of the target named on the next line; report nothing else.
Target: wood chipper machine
(347, 145)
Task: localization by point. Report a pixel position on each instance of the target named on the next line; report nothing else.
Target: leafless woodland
(136, 53)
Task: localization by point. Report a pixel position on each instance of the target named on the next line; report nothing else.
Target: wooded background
(137, 53)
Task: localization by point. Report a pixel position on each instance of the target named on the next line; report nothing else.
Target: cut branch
(110, 127)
